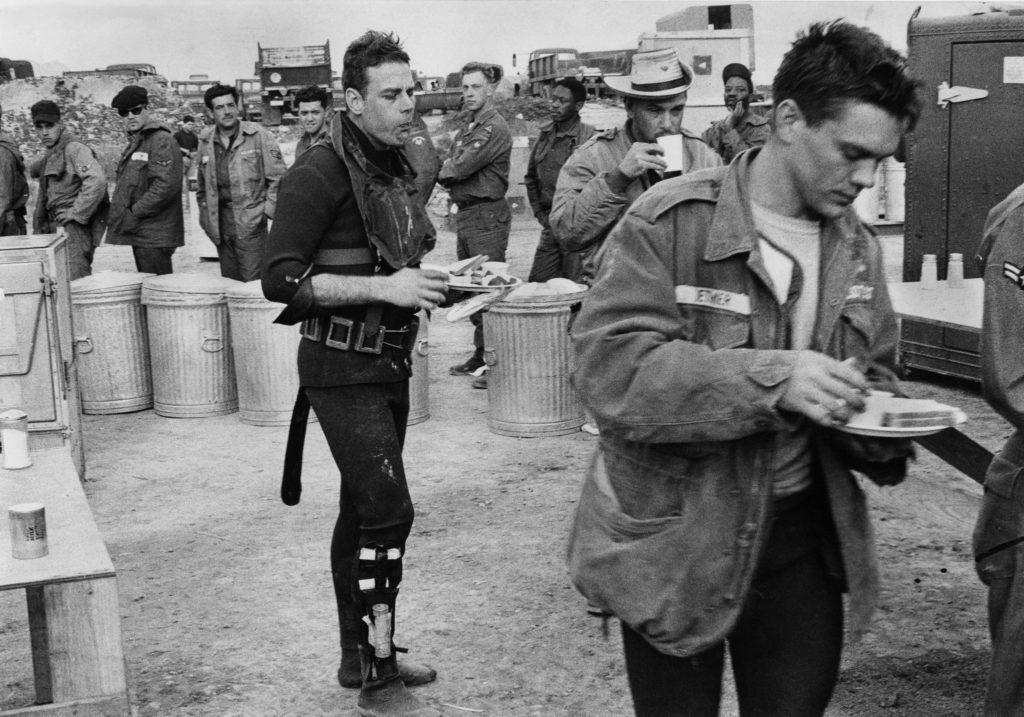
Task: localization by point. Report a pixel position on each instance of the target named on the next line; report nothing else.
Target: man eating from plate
(738, 318)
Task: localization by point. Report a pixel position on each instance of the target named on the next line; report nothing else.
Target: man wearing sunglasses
(72, 189)
(145, 212)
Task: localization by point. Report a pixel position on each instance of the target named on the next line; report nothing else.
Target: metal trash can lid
(245, 290)
(107, 281)
(191, 288)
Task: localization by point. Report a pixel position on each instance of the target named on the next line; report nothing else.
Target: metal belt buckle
(342, 344)
(378, 340)
(311, 330)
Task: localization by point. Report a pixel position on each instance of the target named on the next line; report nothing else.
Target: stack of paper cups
(28, 530)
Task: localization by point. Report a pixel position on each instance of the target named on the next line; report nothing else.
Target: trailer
(283, 71)
(546, 66)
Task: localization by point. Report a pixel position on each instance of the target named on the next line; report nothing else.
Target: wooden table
(74, 617)
(940, 331)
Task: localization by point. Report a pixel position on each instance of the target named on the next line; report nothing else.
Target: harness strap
(291, 477)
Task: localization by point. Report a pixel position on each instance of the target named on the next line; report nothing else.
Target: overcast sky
(219, 37)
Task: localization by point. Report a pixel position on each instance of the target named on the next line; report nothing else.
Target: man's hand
(417, 288)
(61, 216)
(732, 120)
(827, 391)
(641, 157)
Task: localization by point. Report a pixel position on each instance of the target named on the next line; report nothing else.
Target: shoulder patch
(275, 153)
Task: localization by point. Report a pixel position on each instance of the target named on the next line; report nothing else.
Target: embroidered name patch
(713, 299)
(141, 156)
(1013, 273)
(860, 292)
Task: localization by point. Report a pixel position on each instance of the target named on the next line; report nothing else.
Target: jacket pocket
(719, 329)
(1000, 525)
(856, 324)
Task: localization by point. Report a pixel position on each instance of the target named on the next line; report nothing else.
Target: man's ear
(787, 119)
(354, 101)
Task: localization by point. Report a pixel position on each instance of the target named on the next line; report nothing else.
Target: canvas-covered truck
(547, 66)
(283, 71)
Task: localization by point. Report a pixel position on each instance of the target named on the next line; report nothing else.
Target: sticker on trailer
(1013, 70)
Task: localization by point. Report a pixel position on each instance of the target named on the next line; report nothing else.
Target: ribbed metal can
(419, 384)
(111, 347)
(529, 354)
(190, 345)
(265, 357)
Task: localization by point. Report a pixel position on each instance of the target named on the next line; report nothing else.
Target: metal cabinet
(37, 370)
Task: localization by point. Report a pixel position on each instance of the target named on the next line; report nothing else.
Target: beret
(46, 111)
(130, 96)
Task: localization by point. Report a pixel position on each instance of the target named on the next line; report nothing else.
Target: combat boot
(350, 671)
(384, 695)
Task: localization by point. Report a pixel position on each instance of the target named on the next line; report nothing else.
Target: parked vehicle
(15, 69)
(547, 66)
(283, 71)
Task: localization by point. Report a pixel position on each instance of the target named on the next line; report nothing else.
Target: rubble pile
(85, 109)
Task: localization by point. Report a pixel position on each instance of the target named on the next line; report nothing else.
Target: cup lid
(12, 414)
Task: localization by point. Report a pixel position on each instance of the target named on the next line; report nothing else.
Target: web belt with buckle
(343, 334)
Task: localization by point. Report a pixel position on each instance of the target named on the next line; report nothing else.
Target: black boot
(350, 671)
(384, 695)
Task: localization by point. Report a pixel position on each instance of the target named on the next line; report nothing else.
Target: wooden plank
(77, 550)
(959, 451)
(955, 308)
(39, 635)
(84, 627)
(105, 706)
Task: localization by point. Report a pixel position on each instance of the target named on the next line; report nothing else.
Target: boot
(384, 695)
(411, 673)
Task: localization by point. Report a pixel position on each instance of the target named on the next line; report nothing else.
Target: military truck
(547, 66)
(283, 71)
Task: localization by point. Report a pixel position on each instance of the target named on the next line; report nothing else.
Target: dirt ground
(226, 601)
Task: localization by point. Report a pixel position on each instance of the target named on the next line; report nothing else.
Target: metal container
(419, 385)
(190, 345)
(111, 348)
(264, 355)
(527, 347)
(895, 194)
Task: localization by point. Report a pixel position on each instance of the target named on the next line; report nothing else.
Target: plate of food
(482, 281)
(888, 416)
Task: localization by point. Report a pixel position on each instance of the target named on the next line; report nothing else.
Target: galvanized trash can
(190, 345)
(111, 348)
(419, 384)
(264, 355)
(527, 349)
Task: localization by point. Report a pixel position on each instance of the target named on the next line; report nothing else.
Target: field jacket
(680, 356)
(71, 179)
(585, 208)
(256, 166)
(555, 144)
(146, 208)
(1001, 257)
(477, 169)
(754, 132)
(13, 184)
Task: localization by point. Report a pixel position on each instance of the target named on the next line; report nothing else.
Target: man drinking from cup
(606, 175)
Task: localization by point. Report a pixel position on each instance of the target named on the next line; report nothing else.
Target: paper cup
(672, 145)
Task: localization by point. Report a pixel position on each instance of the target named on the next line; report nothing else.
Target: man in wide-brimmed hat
(740, 129)
(606, 175)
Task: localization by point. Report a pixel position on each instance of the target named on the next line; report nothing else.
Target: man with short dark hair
(313, 105)
(72, 197)
(738, 318)
(240, 164)
(13, 187)
(605, 176)
(344, 256)
(741, 129)
(145, 211)
(558, 139)
(476, 177)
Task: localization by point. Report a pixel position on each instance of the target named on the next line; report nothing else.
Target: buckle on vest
(360, 337)
(339, 333)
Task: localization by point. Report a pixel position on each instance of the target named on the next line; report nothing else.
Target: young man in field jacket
(343, 256)
(738, 316)
(72, 189)
(605, 176)
(13, 188)
(240, 165)
(556, 142)
(999, 532)
(145, 211)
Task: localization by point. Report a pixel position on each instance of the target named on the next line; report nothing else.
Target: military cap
(45, 111)
(129, 97)
(735, 69)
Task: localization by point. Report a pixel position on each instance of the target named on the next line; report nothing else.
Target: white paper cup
(672, 145)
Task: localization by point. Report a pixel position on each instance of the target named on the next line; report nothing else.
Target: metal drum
(190, 345)
(895, 194)
(527, 347)
(264, 355)
(111, 349)
(419, 384)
